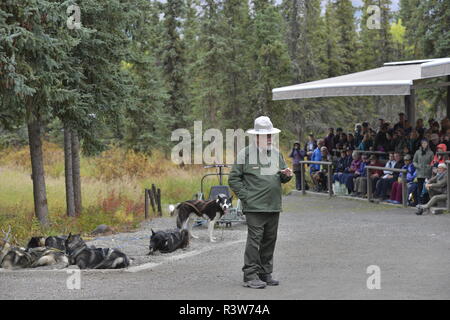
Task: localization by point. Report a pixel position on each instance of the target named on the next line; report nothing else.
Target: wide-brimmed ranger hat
(263, 125)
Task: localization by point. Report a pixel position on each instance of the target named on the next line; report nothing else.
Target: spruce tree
(35, 66)
(208, 66)
(146, 122)
(347, 36)
(173, 59)
(236, 66)
(306, 43)
(269, 53)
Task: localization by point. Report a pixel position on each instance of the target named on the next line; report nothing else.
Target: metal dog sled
(234, 214)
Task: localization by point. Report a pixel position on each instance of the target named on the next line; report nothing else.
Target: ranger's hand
(287, 172)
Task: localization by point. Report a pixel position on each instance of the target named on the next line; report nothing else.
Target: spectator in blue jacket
(316, 156)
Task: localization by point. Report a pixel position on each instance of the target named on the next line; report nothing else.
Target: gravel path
(324, 248)
(135, 244)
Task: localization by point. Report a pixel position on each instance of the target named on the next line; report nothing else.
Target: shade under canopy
(393, 79)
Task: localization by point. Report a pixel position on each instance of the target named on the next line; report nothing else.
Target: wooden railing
(404, 183)
(329, 165)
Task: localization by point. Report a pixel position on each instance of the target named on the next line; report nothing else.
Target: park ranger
(256, 179)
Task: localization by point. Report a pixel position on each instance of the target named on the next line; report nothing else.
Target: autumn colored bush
(20, 158)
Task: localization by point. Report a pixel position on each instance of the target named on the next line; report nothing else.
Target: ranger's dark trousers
(261, 238)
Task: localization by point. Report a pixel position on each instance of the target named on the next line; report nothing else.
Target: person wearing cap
(437, 189)
(257, 183)
(422, 162)
(439, 158)
(397, 189)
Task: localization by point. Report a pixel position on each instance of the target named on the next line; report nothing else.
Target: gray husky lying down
(42, 251)
(94, 258)
(17, 257)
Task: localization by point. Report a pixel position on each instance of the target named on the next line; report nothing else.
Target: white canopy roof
(393, 79)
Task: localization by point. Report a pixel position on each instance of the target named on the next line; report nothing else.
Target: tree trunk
(68, 170)
(76, 172)
(37, 169)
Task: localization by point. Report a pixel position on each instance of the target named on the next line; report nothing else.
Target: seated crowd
(419, 150)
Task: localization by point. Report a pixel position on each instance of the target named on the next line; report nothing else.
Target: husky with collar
(212, 210)
(94, 258)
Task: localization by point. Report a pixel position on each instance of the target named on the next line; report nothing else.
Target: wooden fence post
(302, 177)
(448, 184)
(404, 191)
(146, 203)
(152, 200)
(330, 186)
(369, 185)
(159, 202)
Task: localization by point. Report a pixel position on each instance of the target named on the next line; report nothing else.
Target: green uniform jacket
(258, 191)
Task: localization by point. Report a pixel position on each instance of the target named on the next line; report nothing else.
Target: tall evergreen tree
(208, 66)
(146, 122)
(347, 36)
(236, 66)
(35, 67)
(332, 48)
(376, 48)
(269, 54)
(376, 43)
(173, 59)
(306, 43)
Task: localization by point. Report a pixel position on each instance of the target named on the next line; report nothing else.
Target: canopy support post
(448, 98)
(410, 108)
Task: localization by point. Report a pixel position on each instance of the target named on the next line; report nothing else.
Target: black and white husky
(211, 210)
(94, 258)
